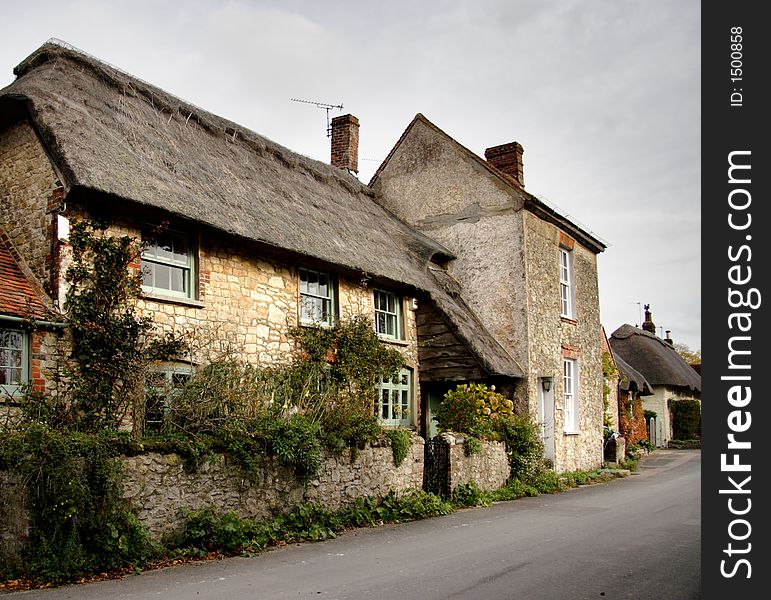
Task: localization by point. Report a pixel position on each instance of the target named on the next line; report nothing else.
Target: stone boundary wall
(489, 468)
(14, 524)
(161, 491)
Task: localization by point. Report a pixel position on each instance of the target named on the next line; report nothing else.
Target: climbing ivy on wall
(111, 343)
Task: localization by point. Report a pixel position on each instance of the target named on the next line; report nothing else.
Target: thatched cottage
(656, 372)
(262, 239)
(526, 270)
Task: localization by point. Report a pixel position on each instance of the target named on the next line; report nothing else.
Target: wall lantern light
(546, 384)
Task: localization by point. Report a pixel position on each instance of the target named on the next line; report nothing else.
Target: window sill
(394, 341)
(569, 320)
(173, 300)
(571, 433)
(315, 324)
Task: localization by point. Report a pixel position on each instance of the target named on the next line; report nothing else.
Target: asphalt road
(637, 537)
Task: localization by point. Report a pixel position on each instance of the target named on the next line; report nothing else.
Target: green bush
(468, 494)
(473, 409)
(524, 447)
(686, 419)
(401, 441)
(79, 521)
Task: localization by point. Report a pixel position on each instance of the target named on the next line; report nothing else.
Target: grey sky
(604, 95)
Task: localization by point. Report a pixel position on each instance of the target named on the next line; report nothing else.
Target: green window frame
(14, 359)
(163, 383)
(394, 399)
(317, 297)
(388, 314)
(168, 265)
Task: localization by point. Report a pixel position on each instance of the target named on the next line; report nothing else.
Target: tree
(692, 357)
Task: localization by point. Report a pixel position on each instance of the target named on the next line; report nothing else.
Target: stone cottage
(526, 270)
(258, 239)
(669, 376)
(468, 275)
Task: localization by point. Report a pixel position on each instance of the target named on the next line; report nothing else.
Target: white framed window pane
(177, 277)
(12, 358)
(167, 265)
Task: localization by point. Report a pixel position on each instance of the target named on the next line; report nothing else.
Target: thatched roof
(632, 379)
(111, 133)
(656, 360)
(19, 296)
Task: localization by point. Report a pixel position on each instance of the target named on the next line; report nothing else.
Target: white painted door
(546, 417)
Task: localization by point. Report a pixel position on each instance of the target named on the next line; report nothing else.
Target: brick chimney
(345, 143)
(668, 339)
(648, 324)
(508, 158)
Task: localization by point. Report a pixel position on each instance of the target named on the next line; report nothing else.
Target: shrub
(524, 447)
(473, 409)
(401, 441)
(686, 419)
(79, 521)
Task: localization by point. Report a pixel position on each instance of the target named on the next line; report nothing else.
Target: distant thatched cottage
(262, 239)
(652, 363)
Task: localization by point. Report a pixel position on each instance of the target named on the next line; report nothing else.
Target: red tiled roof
(18, 296)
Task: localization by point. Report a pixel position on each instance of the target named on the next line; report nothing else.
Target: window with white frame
(317, 297)
(570, 394)
(14, 359)
(168, 265)
(567, 292)
(388, 314)
(163, 383)
(395, 399)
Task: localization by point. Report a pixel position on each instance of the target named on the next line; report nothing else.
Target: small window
(570, 394)
(14, 359)
(317, 297)
(395, 399)
(567, 293)
(388, 315)
(162, 384)
(168, 266)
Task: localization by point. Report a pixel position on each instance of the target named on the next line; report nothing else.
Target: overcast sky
(604, 95)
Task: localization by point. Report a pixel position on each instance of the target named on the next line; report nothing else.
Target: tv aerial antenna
(325, 106)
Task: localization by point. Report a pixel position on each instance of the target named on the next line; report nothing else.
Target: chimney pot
(345, 143)
(648, 324)
(508, 158)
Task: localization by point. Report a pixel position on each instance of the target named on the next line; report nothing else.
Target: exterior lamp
(546, 384)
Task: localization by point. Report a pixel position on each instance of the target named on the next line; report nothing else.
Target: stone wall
(29, 194)
(489, 468)
(161, 490)
(14, 524)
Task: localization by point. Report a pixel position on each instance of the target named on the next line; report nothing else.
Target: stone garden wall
(162, 491)
(489, 468)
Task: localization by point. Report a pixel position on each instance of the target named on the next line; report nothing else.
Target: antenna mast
(325, 106)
